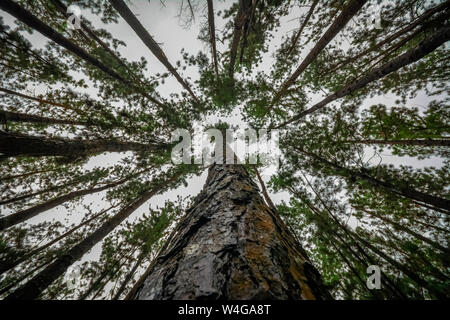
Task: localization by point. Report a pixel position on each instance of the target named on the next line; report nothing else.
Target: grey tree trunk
(231, 245)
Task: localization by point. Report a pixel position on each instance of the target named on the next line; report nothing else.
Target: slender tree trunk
(27, 174)
(94, 285)
(33, 288)
(264, 190)
(32, 21)
(43, 101)
(418, 142)
(212, 36)
(63, 9)
(36, 193)
(8, 266)
(393, 288)
(424, 48)
(398, 226)
(247, 27)
(300, 30)
(399, 189)
(148, 40)
(341, 21)
(241, 17)
(15, 144)
(407, 271)
(392, 37)
(129, 275)
(23, 117)
(230, 245)
(21, 216)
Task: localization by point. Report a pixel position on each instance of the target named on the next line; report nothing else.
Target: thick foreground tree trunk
(231, 245)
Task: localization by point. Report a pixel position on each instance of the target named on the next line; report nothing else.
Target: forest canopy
(358, 89)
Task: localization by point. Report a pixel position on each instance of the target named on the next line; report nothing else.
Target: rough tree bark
(231, 245)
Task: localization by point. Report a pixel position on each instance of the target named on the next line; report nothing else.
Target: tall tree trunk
(241, 17)
(43, 101)
(6, 116)
(230, 245)
(392, 37)
(264, 189)
(418, 142)
(63, 9)
(148, 40)
(300, 30)
(34, 287)
(7, 266)
(32, 21)
(424, 48)
(341, 21)
(129, 275)
(400, 227)
(400, 188)
(212, 36)
(15, 144)
(23, 215)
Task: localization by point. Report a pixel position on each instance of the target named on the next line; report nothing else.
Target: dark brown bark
(15, 144)
(32, 21)
(300, 30)
(148, 40)
(230, 245)
(424, 48)
(34, 287)
(341, 21)
(418, 142)
(241, 17)
(23, 117)
(212, 36)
